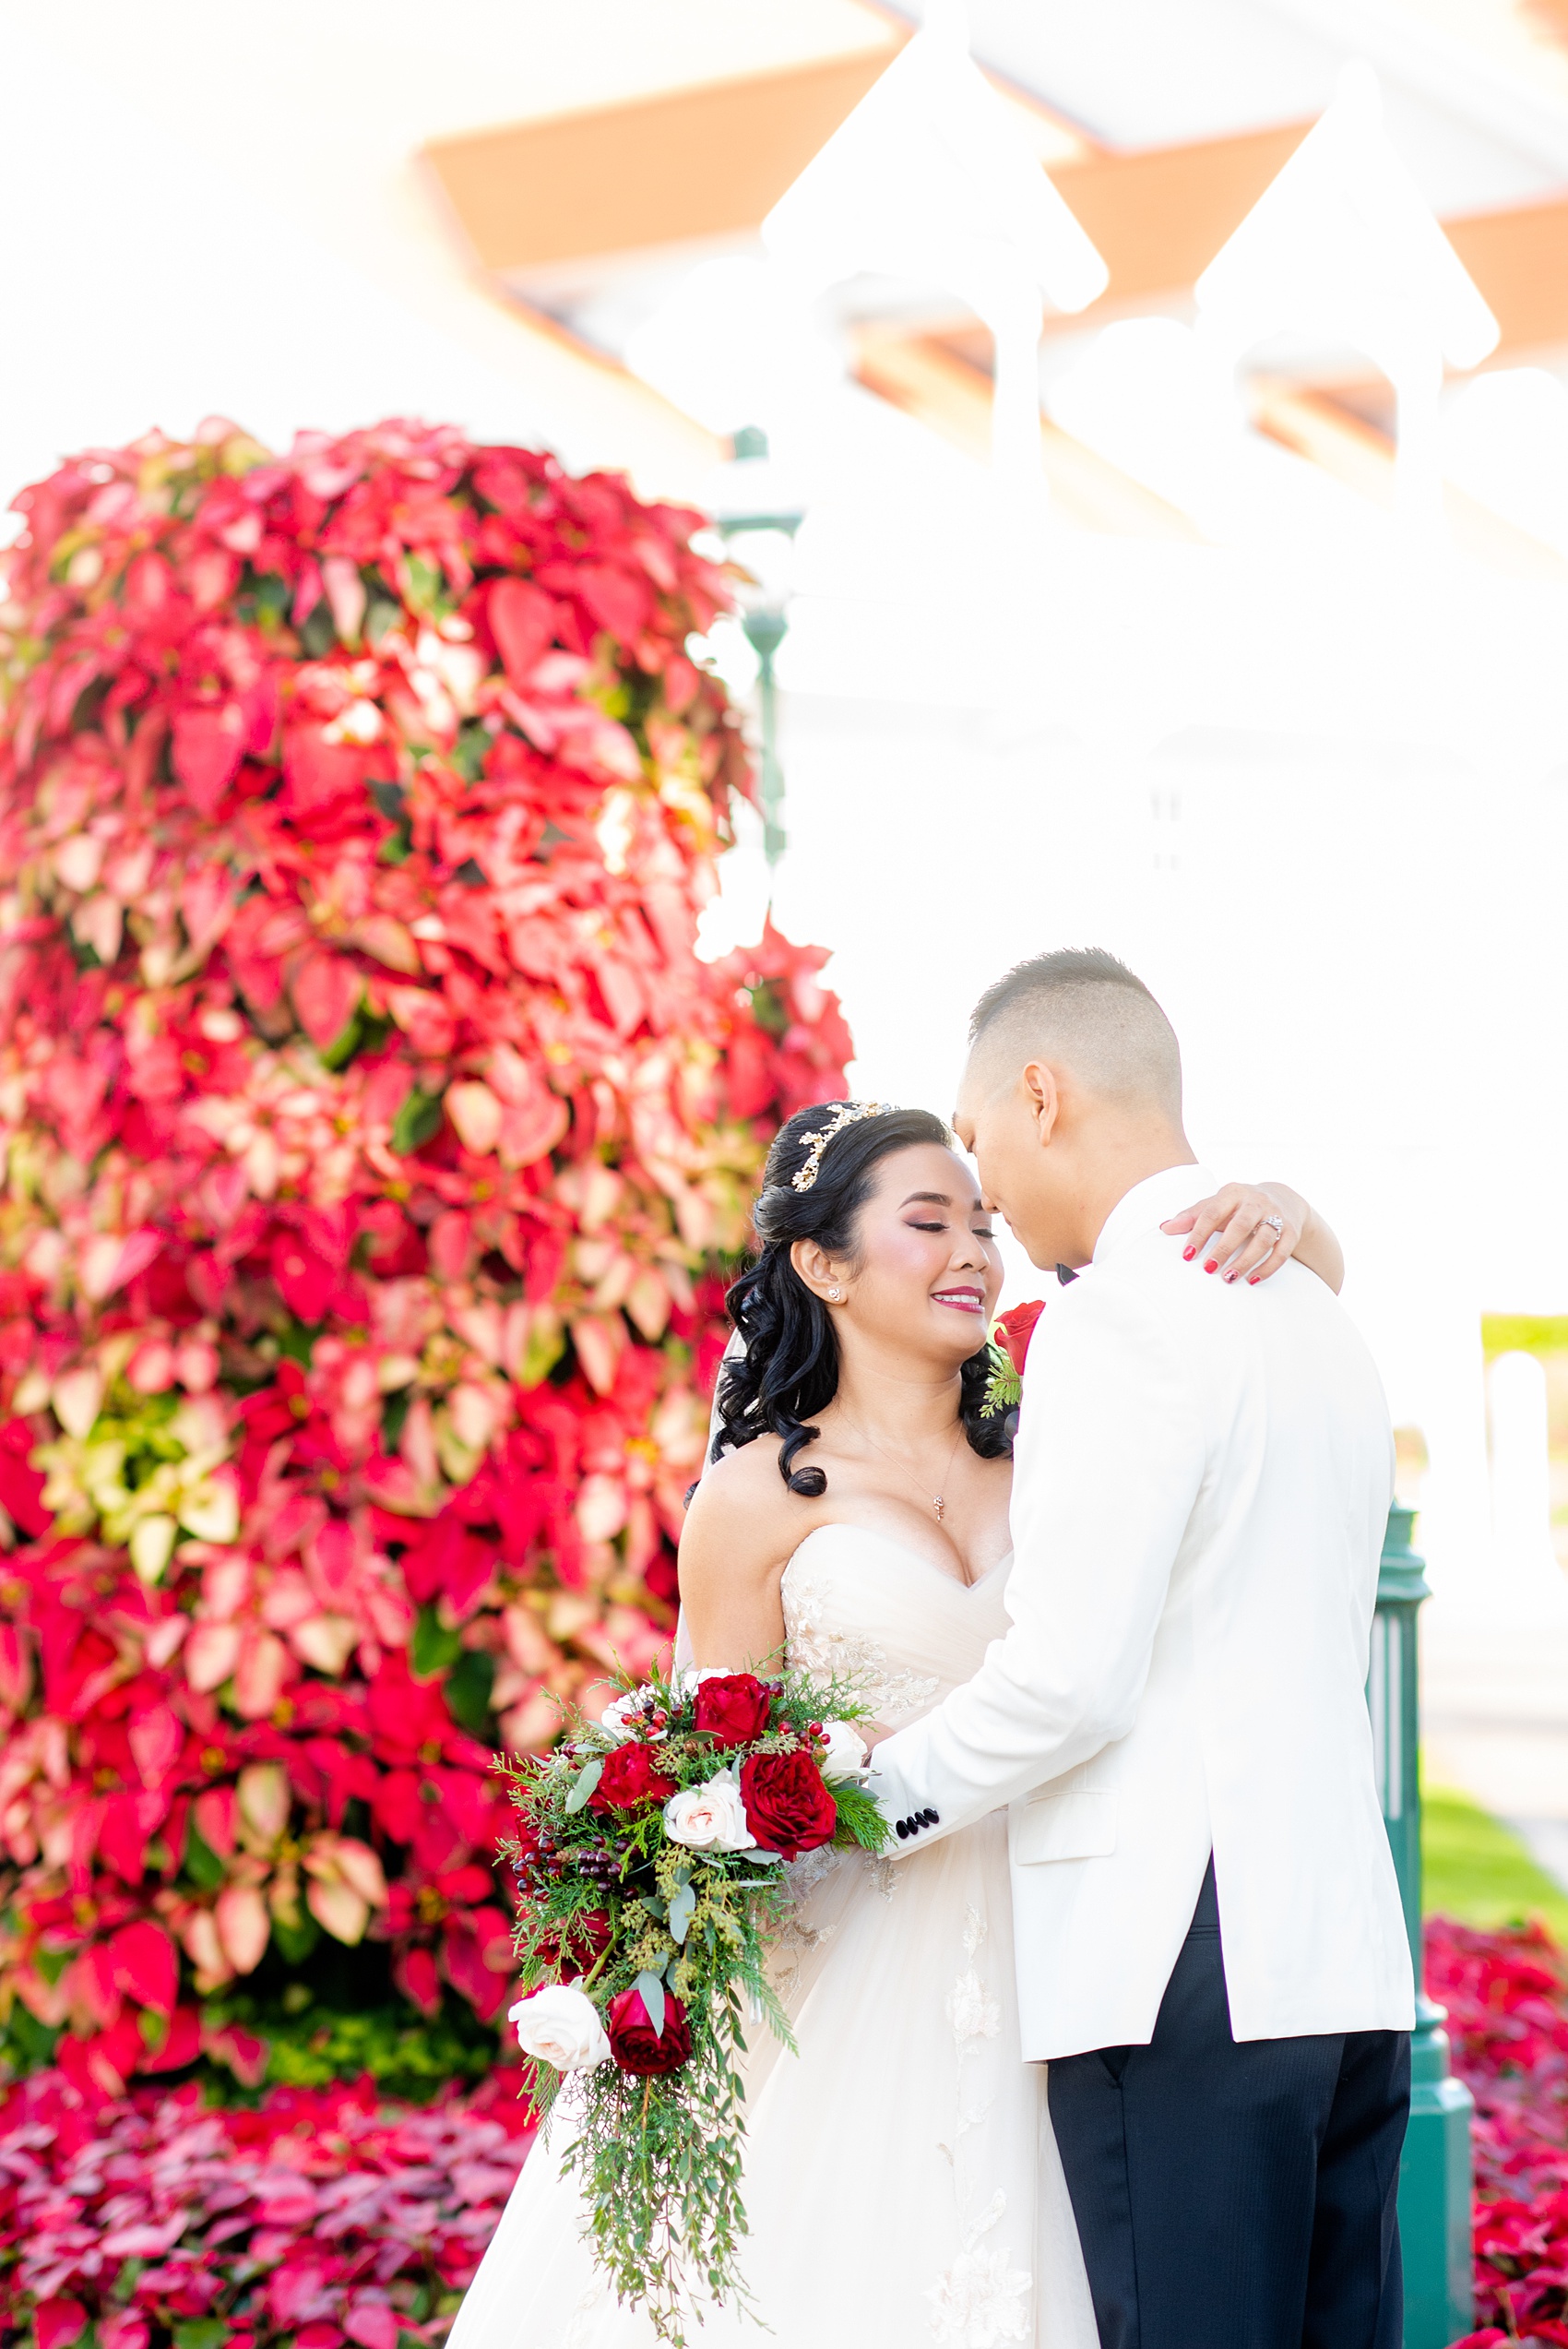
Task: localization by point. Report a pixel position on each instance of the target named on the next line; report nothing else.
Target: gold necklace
(938, 1504)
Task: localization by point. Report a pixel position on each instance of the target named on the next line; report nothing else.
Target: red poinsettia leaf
(209, 743)
(180, 2043)
(523, 622)
(325, 991)
(305, 1281)
(145, 1966)
(373, 2324)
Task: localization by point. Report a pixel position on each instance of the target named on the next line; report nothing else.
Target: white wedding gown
(902, 2181)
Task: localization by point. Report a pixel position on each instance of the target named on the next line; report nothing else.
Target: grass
(1475, 1869)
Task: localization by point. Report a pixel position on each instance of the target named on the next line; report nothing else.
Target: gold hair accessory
(850, 1114)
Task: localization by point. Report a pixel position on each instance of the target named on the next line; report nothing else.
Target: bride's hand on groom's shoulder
(1246, 1230)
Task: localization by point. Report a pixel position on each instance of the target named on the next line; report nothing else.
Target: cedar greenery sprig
(611, 1903)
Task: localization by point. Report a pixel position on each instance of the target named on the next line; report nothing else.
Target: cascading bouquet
(651, 1861)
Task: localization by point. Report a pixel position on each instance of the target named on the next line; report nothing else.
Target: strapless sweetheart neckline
(905, 1550)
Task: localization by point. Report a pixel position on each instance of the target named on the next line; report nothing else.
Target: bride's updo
(789, 1369)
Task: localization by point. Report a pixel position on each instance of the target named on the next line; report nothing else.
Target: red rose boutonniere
(1008, 1350)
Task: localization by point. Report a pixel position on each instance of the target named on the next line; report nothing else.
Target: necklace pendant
(939, 1505)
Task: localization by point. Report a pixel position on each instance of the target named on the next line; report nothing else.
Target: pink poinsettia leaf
(56, 2323)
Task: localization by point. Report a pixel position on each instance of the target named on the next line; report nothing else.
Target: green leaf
(426, 586)
(416, 1121)
(318, 635)
(587, 1780)
(394, 1411)
(1003, 1387)
(468, 1684)
(202, 2332)
(546, 1344)
(652, 1988)
(683, 1907)
(345, 1043)
(434, 1648)
(470, 750)
(296, 1937)
(202, 1864)
(271, 598)
(390, 798)
(380, 616)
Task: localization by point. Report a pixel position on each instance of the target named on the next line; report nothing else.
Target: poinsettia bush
(1508, 1998)
(318, 2218)
(374, 1141)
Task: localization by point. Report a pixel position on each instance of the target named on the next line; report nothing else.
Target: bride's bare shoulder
(743, 1516)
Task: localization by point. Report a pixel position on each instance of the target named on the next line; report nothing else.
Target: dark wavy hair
(789, 1369)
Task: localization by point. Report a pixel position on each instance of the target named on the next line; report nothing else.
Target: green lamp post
(758, 518)
(1434, 2174)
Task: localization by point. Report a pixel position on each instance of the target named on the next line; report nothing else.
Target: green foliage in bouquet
(651, 1857)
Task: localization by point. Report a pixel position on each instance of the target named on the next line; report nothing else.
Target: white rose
(844, 1756)
(696, 1673)
(710, 1818)
(559, 2025)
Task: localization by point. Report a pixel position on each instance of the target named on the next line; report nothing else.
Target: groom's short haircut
(1083, 1004)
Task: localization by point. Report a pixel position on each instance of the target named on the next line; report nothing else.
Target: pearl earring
(836, 1295)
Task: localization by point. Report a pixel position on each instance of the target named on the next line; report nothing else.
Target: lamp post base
(1434, 2192)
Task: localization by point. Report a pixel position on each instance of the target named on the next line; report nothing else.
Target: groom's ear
(1043, 1098)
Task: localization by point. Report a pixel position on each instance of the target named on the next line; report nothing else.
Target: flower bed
(317, 2217)
(374, 1143)
(1508, 1998)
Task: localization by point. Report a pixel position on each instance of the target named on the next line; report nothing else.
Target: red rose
(733, 1708)
(1017, 1328)
(789, 1807)
(634, 2042)
(627, 1779)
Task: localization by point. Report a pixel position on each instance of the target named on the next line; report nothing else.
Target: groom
(1211, 1949)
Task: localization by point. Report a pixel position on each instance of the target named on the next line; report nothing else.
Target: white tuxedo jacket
(1202, 1479)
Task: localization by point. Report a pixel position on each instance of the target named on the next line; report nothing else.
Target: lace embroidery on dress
(982, 2300)
(827, 1653)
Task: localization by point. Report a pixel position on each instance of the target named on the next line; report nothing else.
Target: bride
(902, 2182)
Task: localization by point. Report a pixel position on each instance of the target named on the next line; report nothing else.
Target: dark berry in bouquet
(652, 1857)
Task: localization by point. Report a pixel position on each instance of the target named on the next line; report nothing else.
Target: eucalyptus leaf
(652, 1988)
(587, 1779)
(683, 1907)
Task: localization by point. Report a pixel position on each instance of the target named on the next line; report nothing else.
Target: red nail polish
(1213, 1265)
(1230, 1276)
(1187, 1254)
(1252, 1279)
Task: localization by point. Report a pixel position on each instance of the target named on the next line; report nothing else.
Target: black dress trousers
(1236, 2196)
